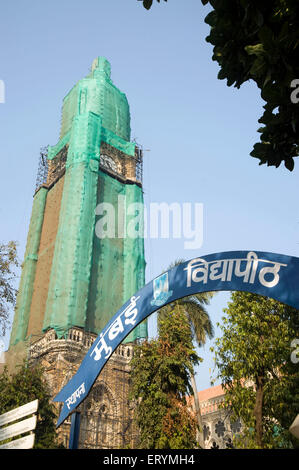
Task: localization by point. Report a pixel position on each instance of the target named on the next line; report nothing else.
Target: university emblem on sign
(161, 290)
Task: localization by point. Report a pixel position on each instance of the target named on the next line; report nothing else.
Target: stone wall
(218, 427)
(106, 420)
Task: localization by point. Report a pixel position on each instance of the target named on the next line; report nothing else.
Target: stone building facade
(107, 415)
(218, 427)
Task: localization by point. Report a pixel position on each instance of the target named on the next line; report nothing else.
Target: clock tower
(73, 281)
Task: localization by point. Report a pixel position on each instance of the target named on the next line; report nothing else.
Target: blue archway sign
(268, 274)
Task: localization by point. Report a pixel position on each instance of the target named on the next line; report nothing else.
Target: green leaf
(289, 163)
(257, 49)
(147, 4)
(260, 43)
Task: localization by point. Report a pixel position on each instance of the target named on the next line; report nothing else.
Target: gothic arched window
(220, 428)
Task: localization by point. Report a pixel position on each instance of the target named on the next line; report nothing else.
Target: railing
(126, 167)
(42, 171)
(139, 163)
(75, 337)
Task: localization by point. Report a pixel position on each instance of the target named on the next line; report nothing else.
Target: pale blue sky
(199, 131)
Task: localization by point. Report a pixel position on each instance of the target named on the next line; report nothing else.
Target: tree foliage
(148, 3)
(8, 262)
(253, 358)
(161, 371)
(254, 40)
(193, 306)
(26, 385)
(259, 41)
(200, 326)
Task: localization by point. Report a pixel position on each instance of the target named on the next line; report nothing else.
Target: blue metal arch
(267, 274)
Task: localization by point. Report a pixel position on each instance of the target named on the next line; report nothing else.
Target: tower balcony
(76, 341)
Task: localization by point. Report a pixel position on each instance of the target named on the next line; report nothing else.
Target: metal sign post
(75, 430)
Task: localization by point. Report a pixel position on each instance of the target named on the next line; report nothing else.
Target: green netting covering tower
(71, 276)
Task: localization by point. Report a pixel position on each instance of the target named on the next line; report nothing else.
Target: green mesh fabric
(55, 149)
(19, 329)
(118, 263)
(133, 254)
(70, 273)
(97, 94)
(90, 277)
(117, 142)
